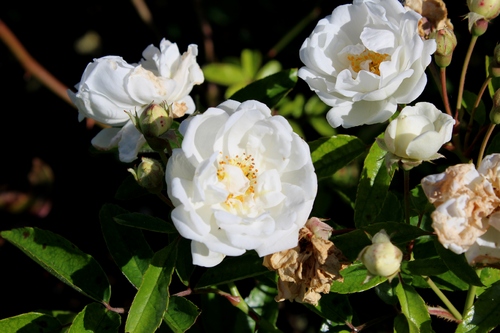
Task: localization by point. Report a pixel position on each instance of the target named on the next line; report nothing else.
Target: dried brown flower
(434, 16)
(308, 269)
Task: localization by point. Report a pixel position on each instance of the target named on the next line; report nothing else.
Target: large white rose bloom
(243, 180)
(110, 86)
(364, 59)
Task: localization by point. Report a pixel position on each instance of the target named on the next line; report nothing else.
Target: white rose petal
(243, 180)
(110, 86)
(364, 59)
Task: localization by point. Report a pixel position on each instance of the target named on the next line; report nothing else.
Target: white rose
(243, 180)
(416, 134)
(110, 86)
(364, 59)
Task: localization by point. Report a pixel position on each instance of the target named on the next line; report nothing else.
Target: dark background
(36, 123)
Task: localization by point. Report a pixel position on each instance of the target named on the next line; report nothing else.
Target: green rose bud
(149, 174)
(155, 120)
(489, 9)
(382, 258)
(446, 41)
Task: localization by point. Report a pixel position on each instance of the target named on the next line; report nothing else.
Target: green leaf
(250, 62)
(129, 189)
(152, 298)
(372, 188)
(353, 242)
(95, 318)
(321, 125)
(414, 309)
(468, 102)
(224, 74)
(261, 299)
(354, 276)
(32, 322)
(181, 314)
(271, 67)
(127, 246)
(315, 106)
(494, 83)
(184, 266)
(269, 90)
(494, 145)
(146, 222)
(63, 260)
(488, 276)
(458, 265)
(401, 324)
(484, 315)
(426, 267)
(331, 154)
(334, 307)
(233, 269)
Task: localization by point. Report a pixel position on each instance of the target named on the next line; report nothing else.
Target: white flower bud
(382, 258)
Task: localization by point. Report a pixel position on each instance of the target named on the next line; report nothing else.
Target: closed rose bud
(495, 63)
(446, 41)
(155, 120)
(382, 258)
(489, 9)
(149, 174)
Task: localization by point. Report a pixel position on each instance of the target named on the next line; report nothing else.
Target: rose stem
(443, 298)
(444, 90)
(473, 111)
(471, 295)
(243, 306)
(464, 71)
(483, 144)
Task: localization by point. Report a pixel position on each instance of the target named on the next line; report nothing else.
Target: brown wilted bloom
(434, 16)
(464, 201)
(308, 269)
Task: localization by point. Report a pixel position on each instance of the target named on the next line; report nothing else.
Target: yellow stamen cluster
(374, 58)
(247, 166)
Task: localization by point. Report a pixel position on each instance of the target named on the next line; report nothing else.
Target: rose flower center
(239, 176)
(367, 60)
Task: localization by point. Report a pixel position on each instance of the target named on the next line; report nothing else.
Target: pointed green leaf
(146, 222)
(372, 188)
(458, 265)
(427, 267)
(127, 246)
(181, 314)
(269, 90)
(32, 322)
(233, 269)
(468, 102)
(225, 74)
(354, 277)
(414, 309)
(63, 260)
(151, 301)
(494, 145)
(95, 318)
(321, 125)
(484, 315)
(331, 154)
(269, 68)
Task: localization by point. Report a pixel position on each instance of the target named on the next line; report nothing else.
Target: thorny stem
(483, 144)
(243, 306)
(464, 71)
(474, 108)
(443, 298)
